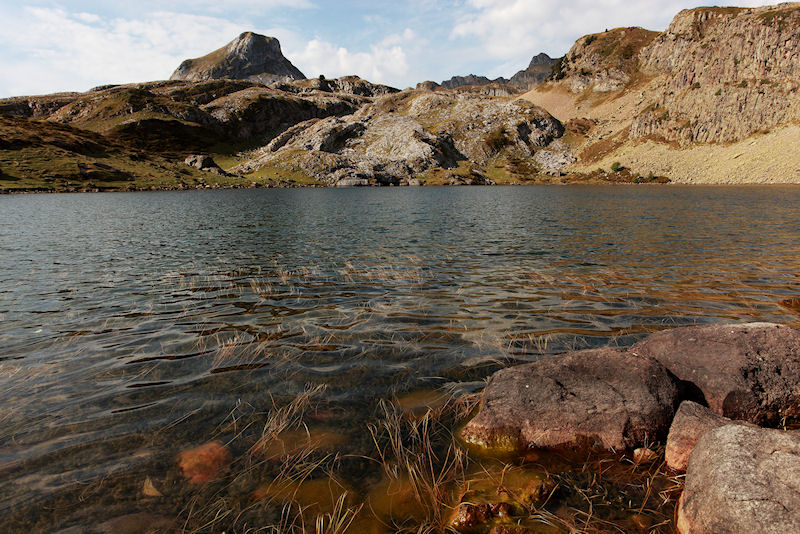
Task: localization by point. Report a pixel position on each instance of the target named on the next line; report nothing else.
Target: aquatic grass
(424, 452)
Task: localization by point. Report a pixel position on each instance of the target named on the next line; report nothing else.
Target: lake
(136, 325)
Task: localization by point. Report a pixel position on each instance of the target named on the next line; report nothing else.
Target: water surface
(133, 324)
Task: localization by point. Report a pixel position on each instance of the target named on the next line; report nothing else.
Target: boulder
(742, 371)
(691, 422)
(602, 398)
(204, 163)
(742, 479)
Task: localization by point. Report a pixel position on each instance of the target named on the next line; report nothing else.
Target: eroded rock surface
(397, 138)
(604, 398)
(741, 371)
(691, 422)
(742, 479)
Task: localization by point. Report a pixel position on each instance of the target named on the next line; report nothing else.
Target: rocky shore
(719, 396)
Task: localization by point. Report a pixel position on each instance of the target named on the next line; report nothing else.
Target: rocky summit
(538, 70)
(250, 57)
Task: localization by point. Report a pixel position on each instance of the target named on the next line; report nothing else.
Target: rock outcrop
(351, 85)
(749, 372)
(603, 62)
(722, 85)
(538, 70)
(725, 74)
(398, 138)
(742, 479)
(691, 422)
(250, 56)
(603, 398)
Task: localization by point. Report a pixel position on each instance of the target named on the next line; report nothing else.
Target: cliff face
(603, 61)
(250, 57)
(716, 81)
(723, 74)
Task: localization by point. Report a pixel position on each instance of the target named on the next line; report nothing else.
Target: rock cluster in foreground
(605, 398)
(739, 477)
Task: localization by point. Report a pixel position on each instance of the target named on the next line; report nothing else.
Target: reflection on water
(133, 325)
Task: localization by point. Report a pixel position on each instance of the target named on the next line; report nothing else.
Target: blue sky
(49, 45)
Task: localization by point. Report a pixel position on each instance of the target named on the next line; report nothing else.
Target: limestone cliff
(723, 74)
(715, 82)
(603, 61)
(250, 57)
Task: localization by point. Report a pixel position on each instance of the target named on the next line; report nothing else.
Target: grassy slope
(37, 155)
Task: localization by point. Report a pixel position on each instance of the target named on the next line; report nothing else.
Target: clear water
(131, 325)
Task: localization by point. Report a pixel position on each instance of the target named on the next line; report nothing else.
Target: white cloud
(382, 64)
(54, 50)
(508, 29)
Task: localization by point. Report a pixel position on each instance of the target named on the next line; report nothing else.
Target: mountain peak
(250, 56)
(541, 59)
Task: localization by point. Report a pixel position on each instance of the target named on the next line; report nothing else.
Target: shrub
(616, 166)
(719, 92)
(696, 85)
(590, 39)
(497, 138)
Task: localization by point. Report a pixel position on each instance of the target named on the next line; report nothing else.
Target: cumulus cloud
(502, 28)
(383, 63)
(53, 49)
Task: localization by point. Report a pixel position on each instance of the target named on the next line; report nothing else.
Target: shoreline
(529, 184)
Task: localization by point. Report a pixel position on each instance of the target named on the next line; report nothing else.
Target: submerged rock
(741, 371)
(603, 398)
(742, 479)
(691, 422)
(201, 464)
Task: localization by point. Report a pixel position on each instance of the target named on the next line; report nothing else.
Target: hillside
(719, 83)
(713, 99)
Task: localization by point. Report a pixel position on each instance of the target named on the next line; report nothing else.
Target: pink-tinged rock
(201, 464)
(742, 371)
(604, 398)
(691, 422)
(742, 479)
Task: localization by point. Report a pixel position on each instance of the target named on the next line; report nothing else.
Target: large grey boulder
(603, 398)
(742, 479)
(741, 371)
(691, 422)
